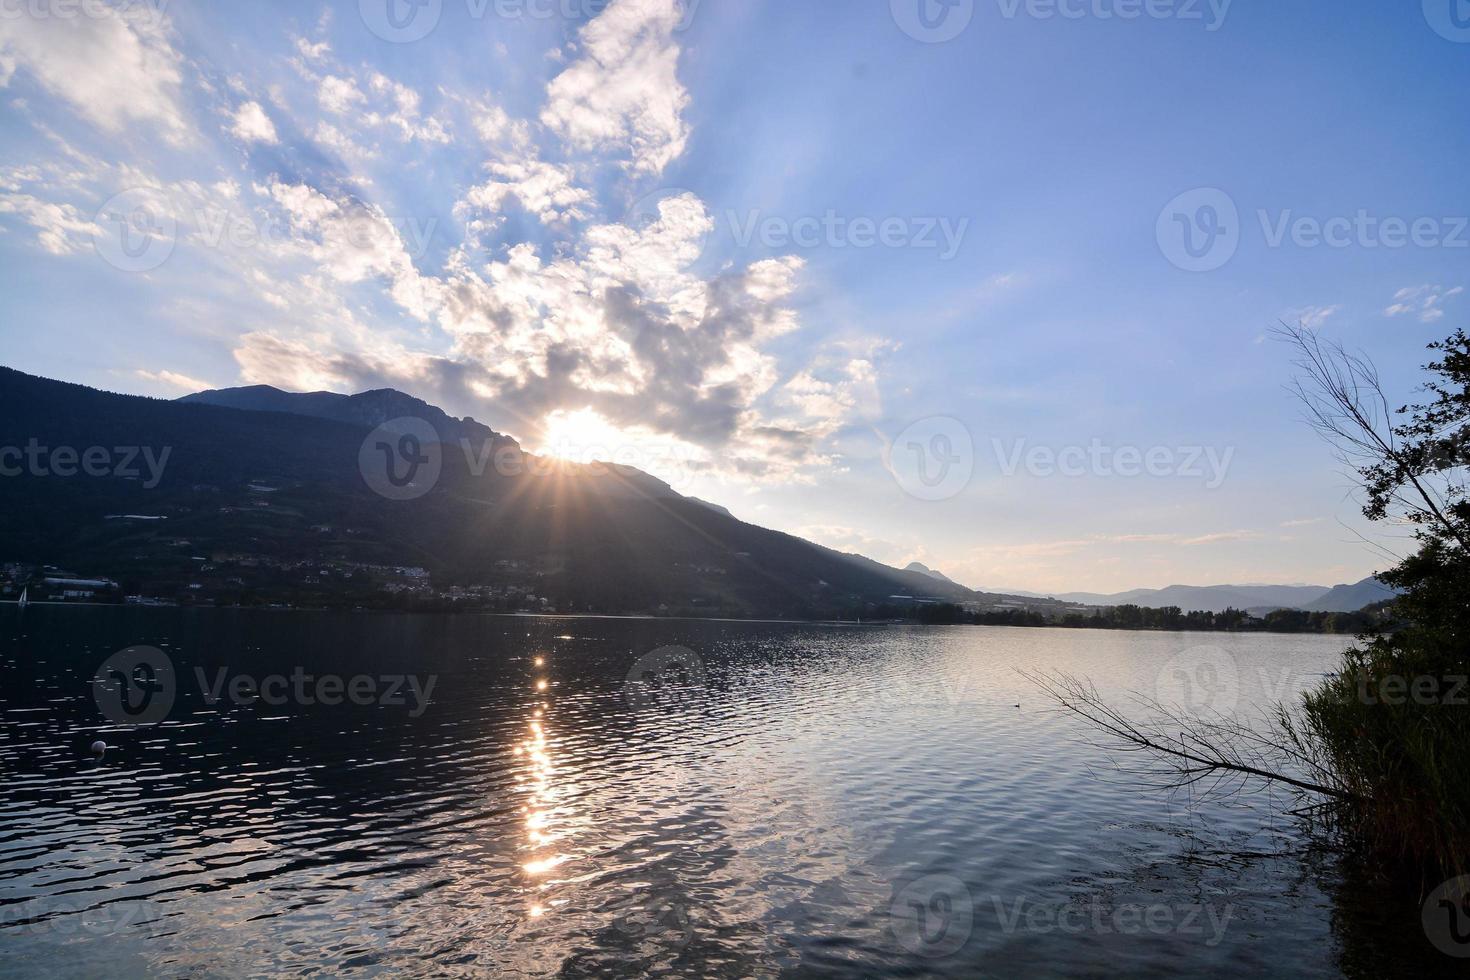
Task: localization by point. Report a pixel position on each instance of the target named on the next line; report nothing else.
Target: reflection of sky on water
(537, 821)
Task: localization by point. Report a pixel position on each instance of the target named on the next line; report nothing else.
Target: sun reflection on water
(540, 809)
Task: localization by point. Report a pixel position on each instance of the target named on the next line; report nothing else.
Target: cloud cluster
(115, 66)
(546, 190)
(1426, 302)
(582, 311)
(364, 103)
(622, 93)
(252, 125)
(61, 228)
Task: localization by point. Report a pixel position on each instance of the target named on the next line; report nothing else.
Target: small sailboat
(22, 602)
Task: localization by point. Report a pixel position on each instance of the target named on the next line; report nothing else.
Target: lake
(387, 795)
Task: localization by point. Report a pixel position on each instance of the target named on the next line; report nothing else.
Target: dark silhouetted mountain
(369, 409)
(1351, 598)
(253, 494)
(714, 507)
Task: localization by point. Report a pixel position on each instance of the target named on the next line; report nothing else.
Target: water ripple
(773, 818)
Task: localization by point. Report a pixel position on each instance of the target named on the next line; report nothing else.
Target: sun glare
(582, 436)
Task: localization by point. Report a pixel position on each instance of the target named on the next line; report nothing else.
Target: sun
(582, 436)
(585, 436)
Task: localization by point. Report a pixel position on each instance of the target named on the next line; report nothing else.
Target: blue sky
(920, 292)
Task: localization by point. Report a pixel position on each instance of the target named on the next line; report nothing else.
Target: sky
(986, 284)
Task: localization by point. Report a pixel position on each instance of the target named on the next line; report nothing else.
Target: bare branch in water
(1220, 755)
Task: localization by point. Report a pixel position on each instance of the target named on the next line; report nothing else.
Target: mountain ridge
(255, 502)
(290, 461)
(922, 569)
(1349, 597)
(372, 408)
(1353, 596)
(1217, 598)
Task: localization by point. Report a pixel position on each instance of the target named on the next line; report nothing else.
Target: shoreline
(658, 619)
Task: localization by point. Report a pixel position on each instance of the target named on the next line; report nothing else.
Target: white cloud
(339, 95)
(1314, 317)
(544, 189)
(241, 255)
(496, 127)
(343, 145)
(116, 67)
(623, 93)
(313, 51)
(1220, 537)
(252, 125)
(659, 353)
(296, 365)
(839, 386)
(61, 228)
(372, 100)
(608, 321)
(404, 113)
(173, 379)
(1426, 301)
(655, 255)
(353, 242)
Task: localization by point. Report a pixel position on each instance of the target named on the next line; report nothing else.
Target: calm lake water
(494, 795)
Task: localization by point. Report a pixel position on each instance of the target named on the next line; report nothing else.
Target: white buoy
(98, 748)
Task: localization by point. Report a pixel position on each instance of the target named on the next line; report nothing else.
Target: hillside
(259, 504)
(369, 409)
(1348, 598)
(923, 569)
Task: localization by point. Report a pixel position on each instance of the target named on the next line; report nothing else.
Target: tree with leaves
(1384, 744)
(1394, 724)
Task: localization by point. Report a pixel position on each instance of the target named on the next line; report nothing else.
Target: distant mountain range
(263, 494)
(1217, 598)
(1211, 598)
(1349, 598)
(1256, 598)
(264, 479)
